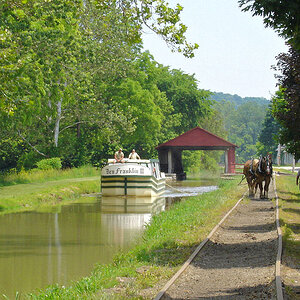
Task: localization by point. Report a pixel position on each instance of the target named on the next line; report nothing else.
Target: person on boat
(119, 156)
(133, 155)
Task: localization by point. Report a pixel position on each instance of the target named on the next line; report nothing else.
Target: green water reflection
(38, 249)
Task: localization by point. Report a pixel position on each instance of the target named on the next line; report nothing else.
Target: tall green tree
(46, 34)
(284, 18)
(286, 103)
(188, 100)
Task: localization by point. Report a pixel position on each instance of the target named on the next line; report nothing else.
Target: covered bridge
(170, 152)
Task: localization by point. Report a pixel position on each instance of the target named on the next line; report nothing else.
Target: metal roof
(197, 138)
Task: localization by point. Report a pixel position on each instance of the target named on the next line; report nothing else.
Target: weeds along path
(238, 261)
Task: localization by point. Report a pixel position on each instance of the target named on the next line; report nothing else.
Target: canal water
(39, 249)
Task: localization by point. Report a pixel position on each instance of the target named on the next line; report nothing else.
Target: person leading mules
(257, 172)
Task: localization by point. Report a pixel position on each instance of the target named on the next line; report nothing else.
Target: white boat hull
(132, 179)
(132, 186)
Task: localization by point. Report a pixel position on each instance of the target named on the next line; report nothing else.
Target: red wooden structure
(170, 152)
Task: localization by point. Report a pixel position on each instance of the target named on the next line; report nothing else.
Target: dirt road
(239, 260)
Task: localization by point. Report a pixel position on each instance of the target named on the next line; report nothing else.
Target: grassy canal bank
(40, 190)
(167, 242)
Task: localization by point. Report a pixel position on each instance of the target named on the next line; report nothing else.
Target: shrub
(49, 163)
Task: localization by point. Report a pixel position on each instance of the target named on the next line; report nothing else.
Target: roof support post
(226, 162)
(169, 161)
(231, 160)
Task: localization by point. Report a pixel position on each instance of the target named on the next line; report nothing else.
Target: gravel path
(238, 262)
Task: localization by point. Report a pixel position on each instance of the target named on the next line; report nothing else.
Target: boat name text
(122, 171)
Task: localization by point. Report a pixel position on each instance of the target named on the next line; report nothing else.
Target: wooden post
(231, 160)
(226, 161)
(278, 154)
(169, 161)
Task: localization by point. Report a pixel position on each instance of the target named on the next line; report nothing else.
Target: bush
(27, 160)
(49, 163)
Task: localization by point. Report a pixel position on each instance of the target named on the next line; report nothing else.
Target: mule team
(258, 172)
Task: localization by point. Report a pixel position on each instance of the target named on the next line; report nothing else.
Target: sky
(235, 51)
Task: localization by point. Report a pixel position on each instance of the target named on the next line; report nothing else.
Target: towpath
(238, 262)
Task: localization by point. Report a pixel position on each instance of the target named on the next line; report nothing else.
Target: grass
(38, 176)
(166, 244)
(289, 203)
(41, 189)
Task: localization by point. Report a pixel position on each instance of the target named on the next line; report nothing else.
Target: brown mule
(263, 174)
(249, 170)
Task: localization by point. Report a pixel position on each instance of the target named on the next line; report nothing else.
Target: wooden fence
(238, 168)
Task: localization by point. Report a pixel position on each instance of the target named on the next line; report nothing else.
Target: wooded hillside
(243, 121)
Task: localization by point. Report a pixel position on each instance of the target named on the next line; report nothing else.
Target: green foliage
(282, 16)
(27, 160)
(189, 102)
(49, 163)
(11, 151)
(268, 137)
(194, 161)
(59, 97)
(243, 124)
(286, 102)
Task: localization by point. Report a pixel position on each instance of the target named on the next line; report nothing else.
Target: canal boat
(134, 177)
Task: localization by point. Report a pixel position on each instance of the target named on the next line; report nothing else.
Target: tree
(286, 103)
(156, 15)
(282, 16)
(188, 100)
(46, 41)
(268, 137)
(243, 124)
